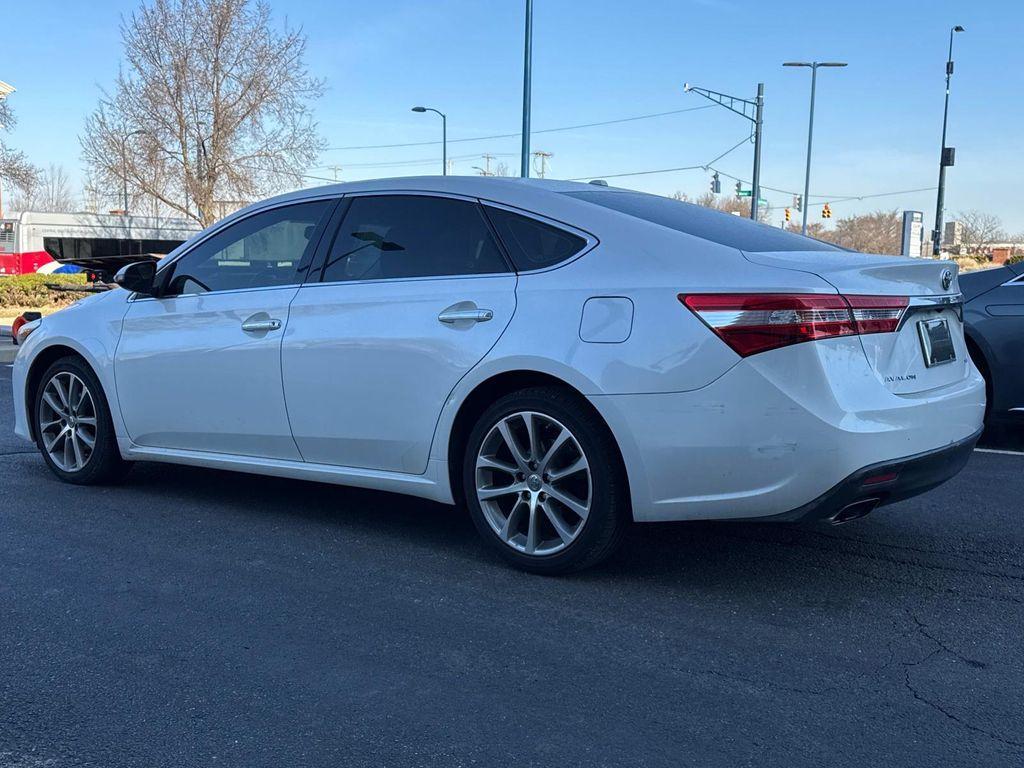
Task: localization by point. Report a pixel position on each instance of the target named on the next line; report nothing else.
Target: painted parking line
(999, 451)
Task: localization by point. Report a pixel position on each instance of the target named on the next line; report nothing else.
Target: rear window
(532, 244)
(705, 223)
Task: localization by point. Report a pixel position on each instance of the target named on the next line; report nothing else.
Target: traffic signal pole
(755, 191)
(753, 110)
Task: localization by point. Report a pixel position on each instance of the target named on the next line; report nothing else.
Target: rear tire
(73, 428)
(544, 482)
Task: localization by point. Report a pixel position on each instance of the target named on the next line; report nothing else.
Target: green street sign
(743, 193)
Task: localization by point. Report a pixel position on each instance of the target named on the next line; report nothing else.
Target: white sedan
(560, 358)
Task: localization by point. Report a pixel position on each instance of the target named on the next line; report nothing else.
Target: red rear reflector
(886, 477)
(756, 322)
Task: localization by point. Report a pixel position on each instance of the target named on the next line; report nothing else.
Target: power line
(516, 135)
(704, 166)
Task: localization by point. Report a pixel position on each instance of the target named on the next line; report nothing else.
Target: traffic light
(787, 214)
(739, 188)
(826, 212)
(798, 202)
(716, 184)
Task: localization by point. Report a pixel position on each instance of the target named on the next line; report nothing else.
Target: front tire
(544, 482)
(73, 427)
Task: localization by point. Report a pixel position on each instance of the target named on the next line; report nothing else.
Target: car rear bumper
(885, 483)
(781, 431)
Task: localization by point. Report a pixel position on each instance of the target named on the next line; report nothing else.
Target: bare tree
(980, 230)
(878, 232)
(15, 169)
(50, 191)
(213, 104)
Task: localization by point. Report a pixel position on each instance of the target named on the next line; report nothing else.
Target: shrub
(1016, 258)
(26, 291)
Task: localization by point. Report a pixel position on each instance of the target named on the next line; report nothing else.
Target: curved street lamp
(444, 136)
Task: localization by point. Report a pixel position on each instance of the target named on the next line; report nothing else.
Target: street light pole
(444, 136)
(810, 126)
(524, 161)
(940, 197)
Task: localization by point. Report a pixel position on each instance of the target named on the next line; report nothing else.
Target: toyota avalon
(561, 359)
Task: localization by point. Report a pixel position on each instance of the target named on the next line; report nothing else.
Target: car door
(413, 292)
(998, 319)
(199, 367)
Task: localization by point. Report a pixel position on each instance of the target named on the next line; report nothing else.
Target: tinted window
(531, 243)
(400, 236)
(705, 223)
(260, 251)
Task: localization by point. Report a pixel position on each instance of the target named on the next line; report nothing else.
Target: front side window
(261, 251)
(404, 236)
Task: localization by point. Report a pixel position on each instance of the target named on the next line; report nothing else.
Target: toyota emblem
(947, 279)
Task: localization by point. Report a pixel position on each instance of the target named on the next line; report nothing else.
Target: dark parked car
(994, 326)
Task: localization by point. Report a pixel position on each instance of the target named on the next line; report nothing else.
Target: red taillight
(756, 322)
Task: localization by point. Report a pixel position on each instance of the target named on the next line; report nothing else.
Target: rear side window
(705, 223)
(402, 236)
(533, 244)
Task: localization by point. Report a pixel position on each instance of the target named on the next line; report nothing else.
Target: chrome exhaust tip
(854, 511)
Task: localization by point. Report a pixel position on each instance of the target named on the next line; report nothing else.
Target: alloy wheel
(67, 421)
(533, 483)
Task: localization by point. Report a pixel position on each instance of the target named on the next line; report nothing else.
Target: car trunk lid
(927, 350)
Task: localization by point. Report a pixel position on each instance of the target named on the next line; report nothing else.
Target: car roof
(511, 190)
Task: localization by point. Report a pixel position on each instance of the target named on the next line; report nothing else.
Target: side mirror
(137, 277)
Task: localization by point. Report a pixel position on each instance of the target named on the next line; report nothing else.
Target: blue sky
(877, 122)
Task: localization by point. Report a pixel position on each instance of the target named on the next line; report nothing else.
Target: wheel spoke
(531, 530)
(578, 507)
(531, 433)
(482, 462)
(513, 446)
(88, 440)
(563, 531)
(577, 466)
(76, 449)
(507, 528)
(50, 445)
(553, 448)
(504, 490)
(56, 407)
(89, 421)
(59, 389)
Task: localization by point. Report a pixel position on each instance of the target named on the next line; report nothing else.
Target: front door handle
(254, 325)
(472, 315)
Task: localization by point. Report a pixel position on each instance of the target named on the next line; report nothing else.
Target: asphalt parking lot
(193, 617)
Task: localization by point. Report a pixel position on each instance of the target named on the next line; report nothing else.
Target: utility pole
(524, 160)
(487, 164)
(336, 169)
(541, 158)
(946, 155)
(752, 110)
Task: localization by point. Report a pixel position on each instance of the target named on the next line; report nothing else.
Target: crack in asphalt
(907, 666)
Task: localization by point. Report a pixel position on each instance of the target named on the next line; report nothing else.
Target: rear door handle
(473, 315)
(264, 324)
